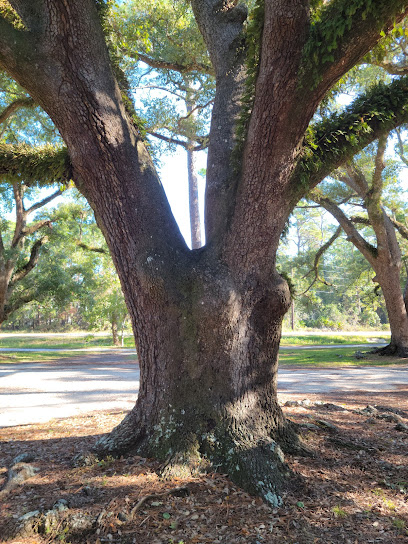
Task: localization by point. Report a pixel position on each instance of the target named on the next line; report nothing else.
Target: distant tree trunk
(385, 258)
(115, 335)
(195, 223)
(193, 199)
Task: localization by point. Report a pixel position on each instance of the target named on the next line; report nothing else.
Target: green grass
(32, 357)
(324, 340)
(311, 357)
(334, 357)
(61, 342)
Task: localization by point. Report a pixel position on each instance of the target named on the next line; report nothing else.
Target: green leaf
(166, 515)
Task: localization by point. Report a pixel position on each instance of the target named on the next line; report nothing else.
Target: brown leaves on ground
(354, 491)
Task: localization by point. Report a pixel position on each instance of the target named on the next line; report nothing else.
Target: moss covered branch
(341, 33)
(35, 166)
(335, 140)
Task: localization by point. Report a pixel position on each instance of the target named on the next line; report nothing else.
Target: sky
(174, 177)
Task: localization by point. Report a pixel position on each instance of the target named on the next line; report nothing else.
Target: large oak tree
(207, 322)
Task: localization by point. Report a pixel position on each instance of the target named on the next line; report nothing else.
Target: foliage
(326, 141)
(331, 23)
(348, 299)
(40, 166)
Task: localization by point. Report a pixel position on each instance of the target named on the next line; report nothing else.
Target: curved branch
(317, 258)
(341, 37)
(32, 262)
(9, 111)
(369, 251)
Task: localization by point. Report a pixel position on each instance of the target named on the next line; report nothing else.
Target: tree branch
(22, 299)
(401, 153)
(9, 111)
(164, 65)
(356, 180)
(401, 228)
(82, 245)
(186, 145)
(221, 22)
(353, 235)
(37, 226)
(391, 68)
(341, 37)
(43, 202)
(376, 212)
(47, 164)
(17, 48)
(32, 262)
(20, 213)
(337, 139)
(30, 11)
(317, 258)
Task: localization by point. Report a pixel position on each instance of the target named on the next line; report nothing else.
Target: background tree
(207, 324)
(385, 256)
(17, 260)
(331, 279)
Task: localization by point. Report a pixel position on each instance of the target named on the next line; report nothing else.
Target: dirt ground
(354, 490)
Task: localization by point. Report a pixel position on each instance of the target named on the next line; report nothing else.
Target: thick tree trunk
(207, 323)
(389, 280)
(208, 362)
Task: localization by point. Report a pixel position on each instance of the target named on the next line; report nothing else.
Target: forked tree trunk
(207, 323)
(208, 381)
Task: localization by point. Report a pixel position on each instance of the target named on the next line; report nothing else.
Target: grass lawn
(299, 339)
(334, 357)
(310, 357)
(32, 357)
(63, 341)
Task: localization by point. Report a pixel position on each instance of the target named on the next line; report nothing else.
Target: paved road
(37, 392)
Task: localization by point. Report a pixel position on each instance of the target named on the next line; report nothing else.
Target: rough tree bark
(207, 323)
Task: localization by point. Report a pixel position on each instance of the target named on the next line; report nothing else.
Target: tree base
(253, 460)
(391, 350)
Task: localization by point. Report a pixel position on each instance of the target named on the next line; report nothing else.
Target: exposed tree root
(391, 350)
(251, 455)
